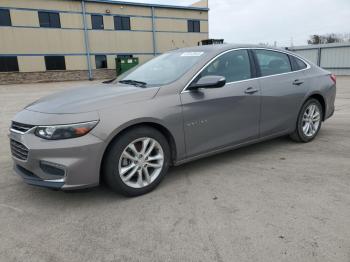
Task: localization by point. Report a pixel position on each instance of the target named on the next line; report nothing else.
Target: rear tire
(137, 161)
(309, 121)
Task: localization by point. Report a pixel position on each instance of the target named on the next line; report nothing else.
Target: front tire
(136, 161)
(309, 121)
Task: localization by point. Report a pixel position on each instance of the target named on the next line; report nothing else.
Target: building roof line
(332, 45)
(149, 5)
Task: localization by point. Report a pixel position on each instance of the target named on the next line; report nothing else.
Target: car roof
(223, 47)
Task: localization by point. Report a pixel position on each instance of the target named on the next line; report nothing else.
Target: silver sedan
(180, 106)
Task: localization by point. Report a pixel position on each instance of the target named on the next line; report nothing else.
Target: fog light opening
(52, 169)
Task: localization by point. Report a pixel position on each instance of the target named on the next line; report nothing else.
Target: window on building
(194, 26)
(9, 64)
(234, 66)
(272, 62)
(101, 61)
(55, 63)
(5, 18)
(49, 19)
(97, 21)
(122, 23)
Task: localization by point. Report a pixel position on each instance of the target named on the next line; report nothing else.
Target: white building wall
(333, 57)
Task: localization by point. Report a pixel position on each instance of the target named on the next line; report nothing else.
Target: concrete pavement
(274, 201)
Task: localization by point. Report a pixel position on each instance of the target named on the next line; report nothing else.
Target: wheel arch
(150, 123)
(321, 100)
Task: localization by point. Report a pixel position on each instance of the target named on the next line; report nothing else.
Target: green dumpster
(124, 64)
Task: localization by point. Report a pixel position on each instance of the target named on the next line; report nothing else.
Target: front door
(219, 117)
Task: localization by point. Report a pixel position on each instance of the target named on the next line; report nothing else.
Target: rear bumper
(330, 113)
(330, 95)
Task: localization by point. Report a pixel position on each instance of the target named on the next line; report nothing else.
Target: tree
(328, 39)
(332, 38)
(314, 40)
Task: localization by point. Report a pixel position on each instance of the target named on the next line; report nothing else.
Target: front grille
(20, 127)
(19, 150)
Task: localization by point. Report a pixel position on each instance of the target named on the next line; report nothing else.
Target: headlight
(65, 131)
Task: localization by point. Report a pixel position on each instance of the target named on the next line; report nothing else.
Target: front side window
(272, 62)
(163, 69)
(97, 22)
(122, 23)
(9, 64)
(193, 26)
(49, 19)
(5, 18)
(101, 61)
(55, 63)
(234, 66)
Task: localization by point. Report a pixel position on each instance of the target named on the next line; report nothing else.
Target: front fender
(114, 121)
(134, 122)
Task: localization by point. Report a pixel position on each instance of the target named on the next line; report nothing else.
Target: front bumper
(61, 164)
(31, 179)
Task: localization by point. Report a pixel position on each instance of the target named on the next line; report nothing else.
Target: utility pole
(86, 40)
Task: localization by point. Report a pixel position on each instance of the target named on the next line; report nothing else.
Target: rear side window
(272, 62)
(297, 63)
(234, 66)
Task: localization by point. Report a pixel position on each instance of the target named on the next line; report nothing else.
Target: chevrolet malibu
(180, 106)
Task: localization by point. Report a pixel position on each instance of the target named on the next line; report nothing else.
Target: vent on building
(211, 42)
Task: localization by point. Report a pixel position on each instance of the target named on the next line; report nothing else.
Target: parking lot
(274, 201)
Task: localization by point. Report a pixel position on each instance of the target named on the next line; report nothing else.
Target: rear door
(281, 91)
(218, 117)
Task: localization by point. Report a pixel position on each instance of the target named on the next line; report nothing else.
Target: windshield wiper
(109, 81)
(133, 82)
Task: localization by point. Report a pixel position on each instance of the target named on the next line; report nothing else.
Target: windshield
(163, 69)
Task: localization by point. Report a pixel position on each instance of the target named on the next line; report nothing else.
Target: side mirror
(208, 82)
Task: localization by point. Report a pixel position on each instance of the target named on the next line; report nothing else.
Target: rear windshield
(163, 69)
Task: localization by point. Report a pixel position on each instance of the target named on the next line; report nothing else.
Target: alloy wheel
(311, 120)
(141, 162)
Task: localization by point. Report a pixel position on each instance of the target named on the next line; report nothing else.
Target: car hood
(91, 98)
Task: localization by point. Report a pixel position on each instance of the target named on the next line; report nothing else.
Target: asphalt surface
(274, 201)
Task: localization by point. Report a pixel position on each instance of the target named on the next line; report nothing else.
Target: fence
(333, 57)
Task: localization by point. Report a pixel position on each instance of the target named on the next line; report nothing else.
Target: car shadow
(103, 194)
(231, 156)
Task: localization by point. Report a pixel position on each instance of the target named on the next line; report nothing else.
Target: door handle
(297, 82)
(251, 90)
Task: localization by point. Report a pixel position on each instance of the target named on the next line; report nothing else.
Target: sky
(267, 21)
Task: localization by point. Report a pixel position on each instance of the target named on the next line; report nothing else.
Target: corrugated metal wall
(333, 57)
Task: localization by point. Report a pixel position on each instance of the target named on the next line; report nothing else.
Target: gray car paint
(91, 99)
(217, 117)
(198, 123)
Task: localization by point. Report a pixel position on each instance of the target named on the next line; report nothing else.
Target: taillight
(334, 78)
